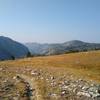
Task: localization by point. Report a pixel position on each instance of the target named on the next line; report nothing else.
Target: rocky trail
(33, 92)
(40, 84)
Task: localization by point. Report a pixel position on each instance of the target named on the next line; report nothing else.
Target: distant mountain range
(61, 48)
(10, 49)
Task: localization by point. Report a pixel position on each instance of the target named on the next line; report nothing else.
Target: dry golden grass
(84, 64)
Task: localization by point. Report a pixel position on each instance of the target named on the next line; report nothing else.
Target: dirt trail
(33, 85)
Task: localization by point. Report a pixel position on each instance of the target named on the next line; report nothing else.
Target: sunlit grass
(84, 64)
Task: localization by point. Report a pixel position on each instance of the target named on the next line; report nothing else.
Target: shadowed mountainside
(10, 49)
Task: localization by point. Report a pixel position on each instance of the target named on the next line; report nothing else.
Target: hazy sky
(50, 20)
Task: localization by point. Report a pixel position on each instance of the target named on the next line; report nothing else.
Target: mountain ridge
(60, 48)
(10, 49)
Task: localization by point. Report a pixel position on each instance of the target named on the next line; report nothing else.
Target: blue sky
(50, 20)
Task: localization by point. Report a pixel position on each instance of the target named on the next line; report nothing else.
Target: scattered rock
(83, 94)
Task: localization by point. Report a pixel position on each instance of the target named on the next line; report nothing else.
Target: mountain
(10, 49)
(60, 48)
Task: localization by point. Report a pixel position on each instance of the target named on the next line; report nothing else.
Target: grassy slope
(85, 64)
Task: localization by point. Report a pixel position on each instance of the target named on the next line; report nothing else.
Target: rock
(14, 77)
(1, 69)
(85, 88)
(83, 94)
(42, 78)
(98, 89)
(52, 78)
(35, 73)
(64, 92)
(47, 79)
(65, 87)
(15, 98)
(93, 89)
(67, 82)
(53, 84)
(54, 96)
(96, 96)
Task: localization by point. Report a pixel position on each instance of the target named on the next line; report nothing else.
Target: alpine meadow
(49, 50)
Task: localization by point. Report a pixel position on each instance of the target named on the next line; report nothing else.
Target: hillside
(63, 77)
(70, 46)
(10, 49)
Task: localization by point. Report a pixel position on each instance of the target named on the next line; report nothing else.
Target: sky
(50, 21)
